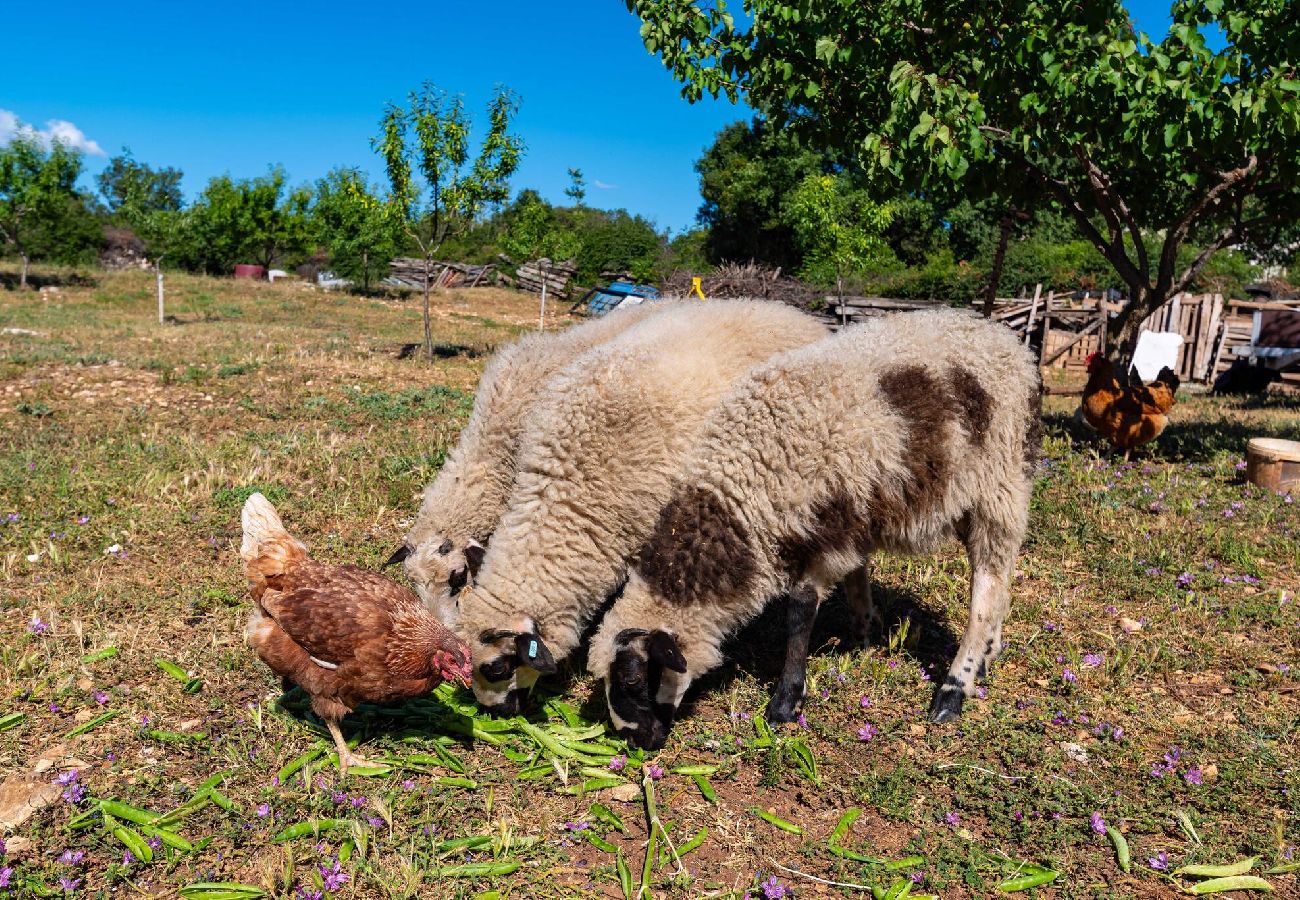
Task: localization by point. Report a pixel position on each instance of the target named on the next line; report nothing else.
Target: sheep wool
(596, 464)
(462, 505)
(893, 435)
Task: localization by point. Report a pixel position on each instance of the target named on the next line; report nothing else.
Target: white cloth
(1155, 350)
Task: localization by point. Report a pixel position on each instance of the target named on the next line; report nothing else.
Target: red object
(242, 271)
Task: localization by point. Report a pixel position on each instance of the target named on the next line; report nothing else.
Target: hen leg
(346, 756)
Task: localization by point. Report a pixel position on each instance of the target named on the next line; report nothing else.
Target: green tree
(577, 189)
(135, 187)
(356, 227)
(839, 230)
(1141, 142)
(431, 137)
(532, 230)
(258, 220)
(38, 197)
(745, 177)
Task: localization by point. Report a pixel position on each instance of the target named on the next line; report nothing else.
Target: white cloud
(603, 186)
(55, 130)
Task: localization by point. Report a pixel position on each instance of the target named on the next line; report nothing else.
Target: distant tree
(745, 177)
(1142, 143)
(256, 220)
(135, 187)
(432, 137)
(839, 230)
(357, 228)
(577, 189)
(533, 231)
(38, 196)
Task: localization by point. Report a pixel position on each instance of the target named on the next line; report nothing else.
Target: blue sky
(236, 86)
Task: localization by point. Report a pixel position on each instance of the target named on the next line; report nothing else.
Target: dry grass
(118, 433)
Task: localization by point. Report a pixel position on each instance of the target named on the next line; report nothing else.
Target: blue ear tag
(532, 649)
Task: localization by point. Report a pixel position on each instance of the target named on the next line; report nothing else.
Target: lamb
(462, 506)
(817, 459)
(596, 464)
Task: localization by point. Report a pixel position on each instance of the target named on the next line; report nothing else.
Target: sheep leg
(990, 600)
(787, 697)
(865, 615)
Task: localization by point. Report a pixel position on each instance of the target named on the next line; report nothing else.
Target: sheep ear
(662, 648)
(533, 652)
(474, 553)
(399, 555)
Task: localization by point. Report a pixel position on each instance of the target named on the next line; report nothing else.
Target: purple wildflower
(263, 810)
(1097, 822)
(127, 858)
(82, 520)
(917, 877)
(864, 701)
(1092, 660)
(69, 884)
(6, 874)
(773, 889)
(3, 848)
(1185, 580)
(72, 857)
(618, 763)
(981, 692)
(867, 732)
(333, 877)
(408, 785)
(358, 802)
(374, 821)
(1194, 776)
(1051, 626)
(36, 626)
(339, 797)
(952, 819)
(1159, 862)
(101, 697)
(577, 826)
(802, 720)
(306, 893)
(655, 771)
(154, 843)
(1068, 676)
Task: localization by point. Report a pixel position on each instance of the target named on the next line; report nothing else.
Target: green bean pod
(624, 875)
(1122, 855)
(1240, 867)
(130, 813)
(1025, 882)
(312, 828)
(694, 843)
(94, 723)
(907, 862)
(169, 838)
(776, 820)
(133, 842)
(1231, 883)
(706, 788)
(599, 842)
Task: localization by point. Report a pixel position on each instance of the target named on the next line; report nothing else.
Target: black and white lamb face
(507, 663)
(644, 686)
(440, 569)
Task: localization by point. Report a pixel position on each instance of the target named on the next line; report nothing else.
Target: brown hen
(343, 634)
(1127, 415)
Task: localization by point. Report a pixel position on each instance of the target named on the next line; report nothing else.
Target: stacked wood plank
(408, 271)
(1237, 331)
(557, 276)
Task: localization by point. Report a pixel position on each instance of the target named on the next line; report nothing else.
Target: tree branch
(1174, 239)
(1103, 183)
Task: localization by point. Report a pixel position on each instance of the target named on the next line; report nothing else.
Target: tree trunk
(365, 271)
(22, 278)
(428, 324)
(1126, 328)
(999, 256)
(839, 297)
(157, 271)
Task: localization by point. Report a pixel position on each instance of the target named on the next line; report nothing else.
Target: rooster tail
(266, 543)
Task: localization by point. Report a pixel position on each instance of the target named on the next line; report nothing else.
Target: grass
(1148, 675)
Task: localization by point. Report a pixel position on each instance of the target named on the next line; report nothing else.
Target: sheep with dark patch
(464, 503)
(895, 435)
(596, 465)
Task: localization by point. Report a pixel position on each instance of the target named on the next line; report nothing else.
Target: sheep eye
(445, 548)
(498, 669)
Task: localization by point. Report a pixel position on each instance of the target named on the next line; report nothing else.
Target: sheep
(462, 505)
(817, 459)
(596, 465)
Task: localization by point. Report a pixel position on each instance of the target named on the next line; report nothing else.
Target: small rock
(1129, 625)
(1210, 772)
(1074, 751)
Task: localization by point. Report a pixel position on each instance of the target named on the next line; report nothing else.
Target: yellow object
(696, 289)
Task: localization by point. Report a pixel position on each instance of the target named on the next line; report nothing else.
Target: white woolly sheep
(894, 435)
(595, 467)
(462, 505)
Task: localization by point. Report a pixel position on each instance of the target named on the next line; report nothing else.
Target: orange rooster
(343, 634)
(1127, 415)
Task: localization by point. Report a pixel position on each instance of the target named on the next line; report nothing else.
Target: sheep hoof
(946, 706)
(784, 706)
